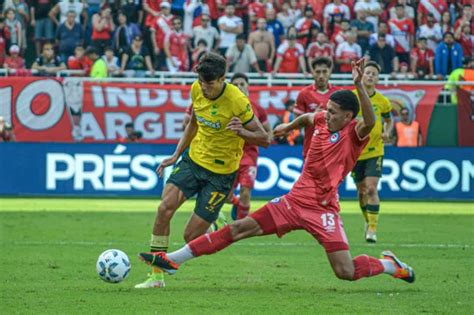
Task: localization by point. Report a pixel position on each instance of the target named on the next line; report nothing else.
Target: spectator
(63, 7)
(198, 51)
(431, 31)
(133, 11)
(230, 26)
(241, 57)
(102, 28)
(464, 36)
(161, 27)
(445, 23)
(4, 38)
(177, 48)
(14, 61)
(294, 137)
(21, 15)
(340, 35)
(137, 59)
(319, 48)
(44, 28)
(403, 30)
(69, 35)
(404, 72)
(263, 44)
(290, 55)
(364, 29)
(435, 7)
(408, 9)
(48, 64)
(384, 55)
(99, 67)
(465, 19)
(132, 134)
(372, 10)
(333, 9)
(448, 56)
(152, 10)
(6, 131)
(347, 52)
(14, 27)
(207, 33)
(287, 16)
(407, 132)
(124, 34)
(79, 61)
(194, 10)
(304, 26)
(274, 26)
(422, 60)
(111, 61)
(383, 29)
(466, 73)
(256, 10)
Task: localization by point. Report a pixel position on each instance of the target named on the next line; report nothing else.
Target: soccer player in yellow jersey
(368, 168)
(222, 120)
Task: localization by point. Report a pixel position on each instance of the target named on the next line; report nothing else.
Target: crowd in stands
(408, 38)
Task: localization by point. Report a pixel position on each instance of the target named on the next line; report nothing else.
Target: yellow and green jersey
(214, 147)
(382, 109)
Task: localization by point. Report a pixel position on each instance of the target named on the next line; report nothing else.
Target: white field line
(243, 244)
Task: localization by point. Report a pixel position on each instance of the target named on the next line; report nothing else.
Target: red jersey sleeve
(355, 136)
(319, 118)
(261, 114)
(300, 106)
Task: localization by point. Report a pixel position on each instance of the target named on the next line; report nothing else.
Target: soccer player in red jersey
(314, 97)
(247, 172)
(312, 204)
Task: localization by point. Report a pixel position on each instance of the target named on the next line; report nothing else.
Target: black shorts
(211, 188)
(370, 167)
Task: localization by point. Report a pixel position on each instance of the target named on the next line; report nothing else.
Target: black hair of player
(346, 101)
(322, 61)
(211, 66)
(373, 64)
(240, 75)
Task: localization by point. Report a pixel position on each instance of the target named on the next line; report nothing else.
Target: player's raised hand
(235, 125)
(280, 131)
(165, 163)
(357, 70)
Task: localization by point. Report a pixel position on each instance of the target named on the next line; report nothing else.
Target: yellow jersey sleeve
(244, 110)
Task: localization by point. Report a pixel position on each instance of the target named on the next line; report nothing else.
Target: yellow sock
(372, 220)
(158, 243)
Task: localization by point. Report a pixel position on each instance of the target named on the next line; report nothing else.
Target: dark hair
(108, 48)
(202, 41)
(404, 109)
(381, 35)
(2, 19)
(322, 61)
(239, 75)
(91, 50)
(346, 20)
(211, 66)
(448, 33)
(177, 18)
(289, 102)
(373, 64)
(346, 101)
(240, 36)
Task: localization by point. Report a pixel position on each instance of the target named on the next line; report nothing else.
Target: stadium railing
(267, 79)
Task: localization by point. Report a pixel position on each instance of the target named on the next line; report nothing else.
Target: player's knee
(372, 191)
(165, 210)
(344, 272)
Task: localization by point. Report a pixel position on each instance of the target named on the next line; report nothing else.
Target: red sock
(366, 266)
(242, 211)
(235, 200)
(211, 243)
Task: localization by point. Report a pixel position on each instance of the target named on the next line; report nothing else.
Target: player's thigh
(358, 172)
(341, 263)
(185, 177)
(373, 167)
(212, 195)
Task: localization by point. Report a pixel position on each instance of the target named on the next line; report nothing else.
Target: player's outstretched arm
(368, 117)
(184, 142)
(300, 122)
(253, 131)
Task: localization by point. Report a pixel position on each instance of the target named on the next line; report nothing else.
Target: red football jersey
(401, 30)
(436, 7)
(310, 100)
(251, 150)
(422, 58)
(331, 157)
(290, 62)
(178, 48)
(155, 6)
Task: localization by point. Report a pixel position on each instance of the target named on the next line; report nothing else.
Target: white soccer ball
(113, 266)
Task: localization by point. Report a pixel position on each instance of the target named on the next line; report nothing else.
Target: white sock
(388, 266)
(181, 255)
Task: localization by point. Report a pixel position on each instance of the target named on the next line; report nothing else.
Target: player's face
(370, 77)
(336, 118)
(242, 85)
(321, 74)
(211, 89)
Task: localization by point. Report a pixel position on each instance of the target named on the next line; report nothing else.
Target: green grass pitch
(49, 247)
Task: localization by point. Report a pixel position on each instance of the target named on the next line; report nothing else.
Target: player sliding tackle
(312, 204)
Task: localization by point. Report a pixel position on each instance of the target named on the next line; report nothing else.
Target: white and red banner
(70, 109)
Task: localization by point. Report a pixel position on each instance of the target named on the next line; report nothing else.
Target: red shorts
(246, 176)
(281, 215)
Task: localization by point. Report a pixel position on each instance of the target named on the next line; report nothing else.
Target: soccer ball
(113, 266)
